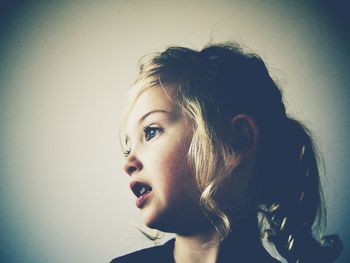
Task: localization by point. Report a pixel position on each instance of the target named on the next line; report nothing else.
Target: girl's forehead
(152, 99)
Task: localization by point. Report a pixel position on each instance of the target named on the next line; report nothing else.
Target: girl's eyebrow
(150, 113)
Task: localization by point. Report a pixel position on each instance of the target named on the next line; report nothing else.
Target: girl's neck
(202, 248)
(198, 248)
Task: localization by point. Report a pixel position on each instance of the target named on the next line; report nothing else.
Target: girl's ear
(244, 135)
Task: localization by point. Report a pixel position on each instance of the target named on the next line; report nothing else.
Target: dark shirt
(231, 250)
(159, 254)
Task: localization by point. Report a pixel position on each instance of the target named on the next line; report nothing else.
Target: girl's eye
(151, 132)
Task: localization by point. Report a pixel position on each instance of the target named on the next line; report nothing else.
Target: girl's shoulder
(161, 253)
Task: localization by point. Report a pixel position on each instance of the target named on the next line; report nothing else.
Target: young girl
(214, 158)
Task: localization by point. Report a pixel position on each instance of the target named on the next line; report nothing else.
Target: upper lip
(139, 188)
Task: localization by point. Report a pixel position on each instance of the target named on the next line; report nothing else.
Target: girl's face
(158, 141)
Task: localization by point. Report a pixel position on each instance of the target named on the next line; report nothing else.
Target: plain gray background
(64, 69)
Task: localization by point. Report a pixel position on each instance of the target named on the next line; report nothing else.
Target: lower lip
(140, 202)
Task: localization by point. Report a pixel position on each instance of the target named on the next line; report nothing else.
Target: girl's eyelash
(126, 152)
(151, 132)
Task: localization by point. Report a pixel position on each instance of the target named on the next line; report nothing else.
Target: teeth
(142, 191)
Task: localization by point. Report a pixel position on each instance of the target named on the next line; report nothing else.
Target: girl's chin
(150, 218)
(181, 222)
(155, 221)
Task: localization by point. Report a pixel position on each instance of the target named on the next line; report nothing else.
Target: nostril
(131, 169)
(132, 165)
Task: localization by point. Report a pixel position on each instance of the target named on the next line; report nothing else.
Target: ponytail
(292, 197)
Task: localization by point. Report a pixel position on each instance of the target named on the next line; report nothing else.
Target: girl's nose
(132, 165)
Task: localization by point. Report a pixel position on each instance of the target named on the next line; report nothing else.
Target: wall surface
(64, 69)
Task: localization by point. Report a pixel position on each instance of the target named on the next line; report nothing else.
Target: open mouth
(139, 189)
